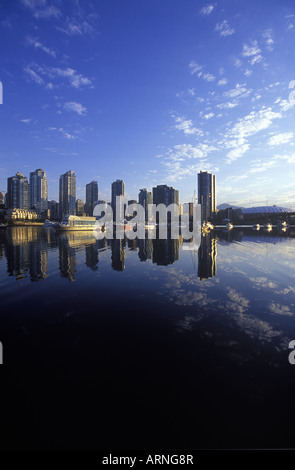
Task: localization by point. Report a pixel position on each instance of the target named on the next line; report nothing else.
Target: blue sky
(151, 92)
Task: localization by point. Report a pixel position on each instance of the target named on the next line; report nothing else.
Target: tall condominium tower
(38, 190)
(207, 194)
(67, 194)
(164, 194)
(18, 192)
(145, 198)
(80, 207)
(91, 197)
(118, 189)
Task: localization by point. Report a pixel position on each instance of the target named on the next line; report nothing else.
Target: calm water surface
(146, 344)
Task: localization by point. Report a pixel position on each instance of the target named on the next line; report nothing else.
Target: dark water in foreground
(146, 345)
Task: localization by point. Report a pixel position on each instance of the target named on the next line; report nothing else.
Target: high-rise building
(207, 195)
(38, 191)
(53, 207)
(144, 199)
(2, 198)
(80, 209)
(118, 189)
(67, 194)
(91, 197)
(17, 192)
(163, 194)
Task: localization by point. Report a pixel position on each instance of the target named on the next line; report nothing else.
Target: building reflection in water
(118, 254)
(91, 253)
(26, 251)
(38, 260)
(145, 248)
(165, 251)
(207, 256)
(67, 257)
(72, 242)
(132, 244)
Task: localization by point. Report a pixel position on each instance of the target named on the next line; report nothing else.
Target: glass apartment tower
(144, 199)
(18, 192)
(118, 189)
(207, 195)
(67, 194)
(38, 191)
(91, 197)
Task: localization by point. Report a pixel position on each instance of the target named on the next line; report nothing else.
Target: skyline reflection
(26, 250)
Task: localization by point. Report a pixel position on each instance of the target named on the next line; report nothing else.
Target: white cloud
(41, 9)
(238, 91)
(236, 136)
(260, 166)
(237, 153)
(284, 104)
(185, 159)
(209, 77)
(269, 42)
(33, 75)
(76, 79)
(224, 29)
(256, 59)
(63, 132)
(198, 69)
(227, 105)
(76, 107)
(280, 309)
(76, 27)
(263, 282)
(186, 125)
(36, 71)
(237, 298)
(254, 122)
(207, 10)
(38, 45)
(237, 62)
(251, 50)
(195, 68)
(187, 151)
(208, 116)
(26, 121)
(279, 139)
(287, 158)
(222, 81)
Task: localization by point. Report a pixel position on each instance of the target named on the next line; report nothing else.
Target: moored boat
(75, 223)
(50, 224)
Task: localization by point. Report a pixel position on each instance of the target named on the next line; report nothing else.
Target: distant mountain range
(223, 207)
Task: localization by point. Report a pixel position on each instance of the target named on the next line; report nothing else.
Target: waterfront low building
(21, 214)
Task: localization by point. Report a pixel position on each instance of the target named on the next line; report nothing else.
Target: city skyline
(156, 92)
(206, 188)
